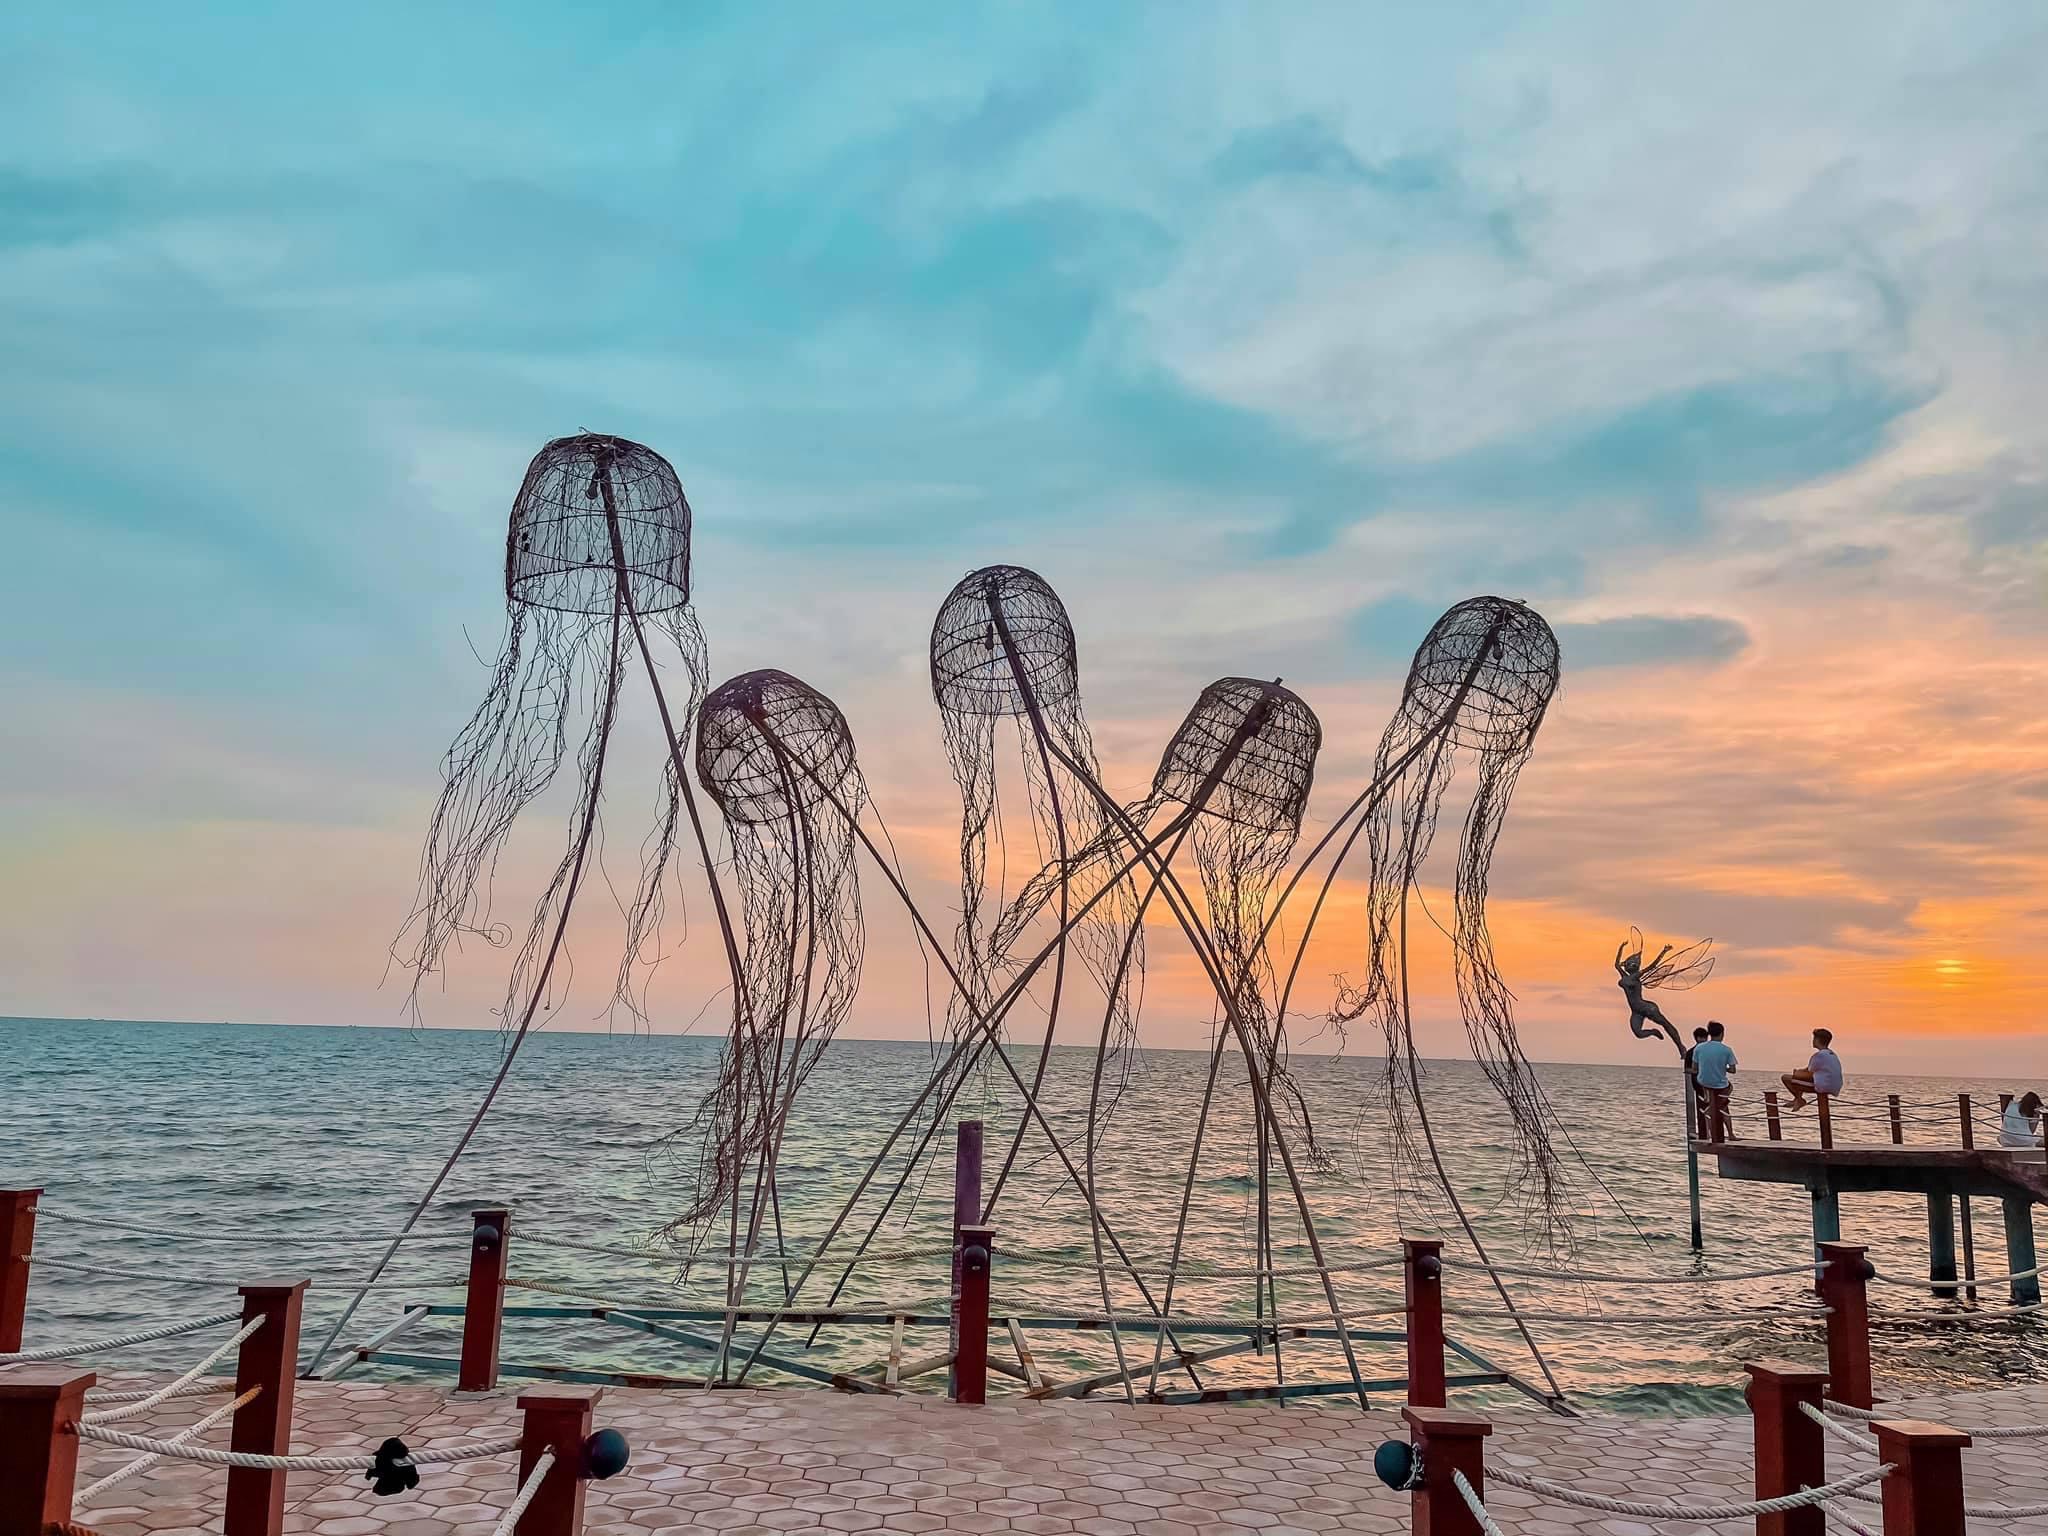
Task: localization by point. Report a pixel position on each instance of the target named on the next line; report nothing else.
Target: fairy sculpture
(1675, 970)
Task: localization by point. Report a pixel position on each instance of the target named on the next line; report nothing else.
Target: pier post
(1844, 1286)
(556, 1418)
(1791, 1450)
(1422, 1270)
(17, 1243)
(1925, 1496)
(40, 1406)
(1827, 1216)
(1773, 1126)
(1969, 1226)
(268, 1359)
(1827, 1123)
(970, 1318)
(966, 1212)
(1941, 1243)
(1447, 1442)
(2019, 1249)
(1898, 1120)
(483, 1306)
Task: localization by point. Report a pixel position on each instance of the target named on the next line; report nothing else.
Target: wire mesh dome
(767, 742)
(559, 551)
(1511, 657)
(1265, 784)
(971, 671)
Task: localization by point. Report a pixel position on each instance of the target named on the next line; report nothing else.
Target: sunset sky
(1719, 334)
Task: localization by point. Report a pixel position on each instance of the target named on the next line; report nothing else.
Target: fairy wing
(1682, 969)
(1633, 949)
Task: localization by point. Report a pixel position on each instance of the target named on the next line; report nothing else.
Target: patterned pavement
(751, 1463)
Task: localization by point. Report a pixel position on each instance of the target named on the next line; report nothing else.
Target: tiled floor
(755, 1462)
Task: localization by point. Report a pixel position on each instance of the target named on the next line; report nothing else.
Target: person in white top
(1821, 1074)
(2021, 1123)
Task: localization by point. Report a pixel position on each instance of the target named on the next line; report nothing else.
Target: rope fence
(145, 1403)
(143, 1463)
(542, 1465)
(207, 1456)
(1644, 1509)
(123, 1340)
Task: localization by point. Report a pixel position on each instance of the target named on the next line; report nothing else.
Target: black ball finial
(974, 1259)
(1394, 1463)
(486, 1237)
(605, 1454)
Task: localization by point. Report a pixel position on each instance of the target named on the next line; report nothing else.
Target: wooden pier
(1948, 1170)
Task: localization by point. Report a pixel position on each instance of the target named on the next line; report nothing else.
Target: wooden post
(1844, 1286)
(269, 1359)
(557, 1418)
(1941, 1243)
(1898, 1120)
(1422, 1269)
(1925, 1496)
(2019, 1249)
(1827, 1217)
(966, 1212)
(1773, 1126)
(40, 1406)
(1827, 1124)
(970, 1319)
(483, 1309)
(17, 1243)
(1692, 1157)
(1791, 1450)
(1447, 1442)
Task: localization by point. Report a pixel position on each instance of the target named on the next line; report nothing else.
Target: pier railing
(1965, 1122)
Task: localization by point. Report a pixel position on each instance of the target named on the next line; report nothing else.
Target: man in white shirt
(1821, 1074)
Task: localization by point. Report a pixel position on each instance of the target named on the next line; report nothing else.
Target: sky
(1264, 333)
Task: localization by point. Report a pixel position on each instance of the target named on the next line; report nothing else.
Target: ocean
(247, 1137)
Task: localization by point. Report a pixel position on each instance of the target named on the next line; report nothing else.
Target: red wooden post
(269, 1358)
(1898, 1123)
(483, 1308)
(40, 1406)
(1844, 1288)
(17, 1242)
(966, 1212)
(1925, 1496)
(1447, 1442)
(557, 1418)
(1422, 1268)
(1827, 1125)
(970, 1321)
(1791, 1450)
(1773, 1126)
(1969, 1130)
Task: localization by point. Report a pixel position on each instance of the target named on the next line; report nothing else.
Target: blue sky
(1263, 332)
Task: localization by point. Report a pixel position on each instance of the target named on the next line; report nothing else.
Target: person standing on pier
(1692, 1077)
(1712, 1060)
(1821, 1074)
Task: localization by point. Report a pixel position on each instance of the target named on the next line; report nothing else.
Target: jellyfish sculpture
(776, 757)
(1478, 690)
(597, 568)
(1002, 649)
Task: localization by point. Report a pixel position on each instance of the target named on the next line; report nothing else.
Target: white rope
(726, 1258)
(541, 1464)
(267, 1239)
(1921, 1285)
(144, 1404)
(121, 1474)
(1193, 1269)
(1472, 1503)
(197, 1389)
(122, 1341)
(1842, 1432)
(786, 1310)
(1982, 1432)
(1643, 1509)
(358, 1463)
(1837, 1517)
(1586, 1277)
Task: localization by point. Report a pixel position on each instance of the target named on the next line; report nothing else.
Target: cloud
(1651, 640)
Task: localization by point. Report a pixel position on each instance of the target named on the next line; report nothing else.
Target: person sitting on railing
(2020, 1126)
(1821, 1074)
(1712, 1061)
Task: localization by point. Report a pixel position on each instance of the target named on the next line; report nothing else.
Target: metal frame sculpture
(597, 557)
